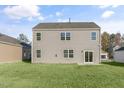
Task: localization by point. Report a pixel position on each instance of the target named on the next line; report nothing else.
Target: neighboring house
(116, 47)
(10, 49)
(122, 43)
(26, 51)
(104, 56)
(119, 55)
(69, 42)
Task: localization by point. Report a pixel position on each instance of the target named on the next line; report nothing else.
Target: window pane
(62, 36)
(90, 56)
(67, 34)
(38, 53)
(67, 38)
(65, 51)
(93, 36)
(71, 55)
(93, 33)
(38, 36)
(70, 51)
(86, 56)
(65, 55)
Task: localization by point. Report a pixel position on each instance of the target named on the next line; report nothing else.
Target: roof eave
(36, 29)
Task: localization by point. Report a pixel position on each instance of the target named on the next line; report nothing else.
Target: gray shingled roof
(66, 25)
(8, 39)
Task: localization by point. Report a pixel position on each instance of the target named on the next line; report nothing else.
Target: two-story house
(66, 42)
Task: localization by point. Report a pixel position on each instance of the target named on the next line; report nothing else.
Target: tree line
(109, 41)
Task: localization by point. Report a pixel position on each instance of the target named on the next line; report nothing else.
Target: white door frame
(93, 57)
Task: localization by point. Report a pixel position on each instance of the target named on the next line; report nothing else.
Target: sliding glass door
(88, 56)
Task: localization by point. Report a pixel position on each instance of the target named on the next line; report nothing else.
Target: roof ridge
(8, 39)
(8, 36)
(66, 25)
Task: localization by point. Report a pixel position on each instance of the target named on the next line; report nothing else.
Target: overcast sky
(20, 19)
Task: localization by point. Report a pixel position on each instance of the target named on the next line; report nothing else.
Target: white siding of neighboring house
(116, 47)
(119, 56)
(52, 45)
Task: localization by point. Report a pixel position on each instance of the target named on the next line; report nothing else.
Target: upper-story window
(62, 36)
(38, 36)
(65, 35)
(93, 35)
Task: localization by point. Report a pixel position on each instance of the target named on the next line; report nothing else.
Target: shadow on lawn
(27, 61)
(114, 64)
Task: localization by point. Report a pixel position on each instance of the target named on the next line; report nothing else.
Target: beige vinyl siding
(52, 45)
(10, 53)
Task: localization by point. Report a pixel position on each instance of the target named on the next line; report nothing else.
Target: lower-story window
(68, 53)
(65, 53)
(38, 53)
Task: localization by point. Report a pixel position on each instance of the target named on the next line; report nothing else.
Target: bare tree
(117, 39)
(23, 38)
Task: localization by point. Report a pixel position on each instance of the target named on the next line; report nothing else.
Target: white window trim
(84, 57)
(91, 35)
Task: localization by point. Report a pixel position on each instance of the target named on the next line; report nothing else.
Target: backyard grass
(61, 75)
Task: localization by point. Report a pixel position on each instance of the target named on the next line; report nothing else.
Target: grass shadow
(114, 63)
(27, 61)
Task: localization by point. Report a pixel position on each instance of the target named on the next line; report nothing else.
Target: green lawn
(61, 75)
